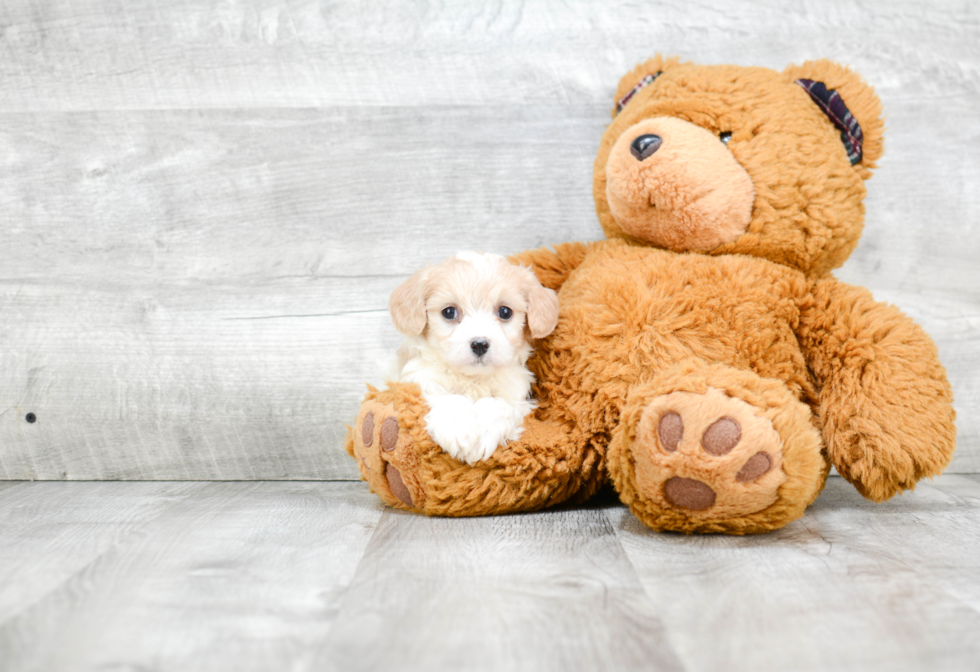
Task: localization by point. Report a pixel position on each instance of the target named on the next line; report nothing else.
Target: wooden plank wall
(205, 205)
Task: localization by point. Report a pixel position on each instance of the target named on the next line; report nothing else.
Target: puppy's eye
(505, 313)
(449, 313)
(725, 137)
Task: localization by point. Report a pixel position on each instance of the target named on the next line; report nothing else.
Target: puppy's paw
(475, 452)
(466, 445)
(500, 418)
(471, 430)
(500, 421)
(452, 424)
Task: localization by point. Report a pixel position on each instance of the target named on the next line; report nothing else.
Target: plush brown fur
(704, 360)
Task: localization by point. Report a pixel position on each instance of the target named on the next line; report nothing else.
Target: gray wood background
(205, 205)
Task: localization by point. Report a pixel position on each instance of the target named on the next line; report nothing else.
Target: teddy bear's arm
(550, 463)
(885, 402)
(552, 265)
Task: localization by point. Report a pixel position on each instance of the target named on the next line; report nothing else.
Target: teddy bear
(705, 361)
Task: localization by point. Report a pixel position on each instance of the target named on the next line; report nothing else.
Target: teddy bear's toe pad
(397, 485)
(688, 493)
(377, 438)
(711, 455)
(389, 435)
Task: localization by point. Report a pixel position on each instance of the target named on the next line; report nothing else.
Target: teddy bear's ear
(849, 103)
(643, 74)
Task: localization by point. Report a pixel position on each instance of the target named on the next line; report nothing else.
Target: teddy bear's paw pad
(712, 455)
(689, 494)
(397, 485)
(367, 435)
(376, 440)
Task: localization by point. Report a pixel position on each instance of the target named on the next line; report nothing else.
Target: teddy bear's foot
(708, 454)
(707, 458)
(385, 459)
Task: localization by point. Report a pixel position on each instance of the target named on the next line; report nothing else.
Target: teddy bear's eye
(449, 313)
(725, 136)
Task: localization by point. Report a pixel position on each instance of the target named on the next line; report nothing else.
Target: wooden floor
(319, 576)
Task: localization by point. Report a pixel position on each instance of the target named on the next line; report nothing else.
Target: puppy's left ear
(407, 304)
(542, 307)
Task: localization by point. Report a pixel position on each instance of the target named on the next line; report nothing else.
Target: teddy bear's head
(739, 160)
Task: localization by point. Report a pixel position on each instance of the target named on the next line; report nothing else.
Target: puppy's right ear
(407, 304)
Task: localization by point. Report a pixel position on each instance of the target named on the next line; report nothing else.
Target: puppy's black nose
(645, 146)
(479, 346)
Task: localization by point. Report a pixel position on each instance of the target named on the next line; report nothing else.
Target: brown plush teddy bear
(704, 360)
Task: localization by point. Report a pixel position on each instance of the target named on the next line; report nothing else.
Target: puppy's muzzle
(479, 346)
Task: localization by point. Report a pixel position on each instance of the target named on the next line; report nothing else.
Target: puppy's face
(475, 310)
(475, 314)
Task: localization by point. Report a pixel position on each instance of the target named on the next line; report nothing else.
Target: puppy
(468, 323)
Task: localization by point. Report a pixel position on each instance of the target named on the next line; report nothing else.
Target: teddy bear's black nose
(645, 145)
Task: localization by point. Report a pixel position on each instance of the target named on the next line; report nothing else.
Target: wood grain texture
(49, 533)
(317, 576)
(850, 586)
(545, 591)
(180, 54)
(243, 576)
(207, 205)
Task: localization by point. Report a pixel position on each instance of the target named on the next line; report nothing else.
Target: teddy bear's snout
(644, 146)
(672, 183)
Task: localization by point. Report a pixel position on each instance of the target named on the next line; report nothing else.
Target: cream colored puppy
(468, 323)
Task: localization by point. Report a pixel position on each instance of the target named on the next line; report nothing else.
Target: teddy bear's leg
(549, 464)
(709, 448)
(885, 402)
